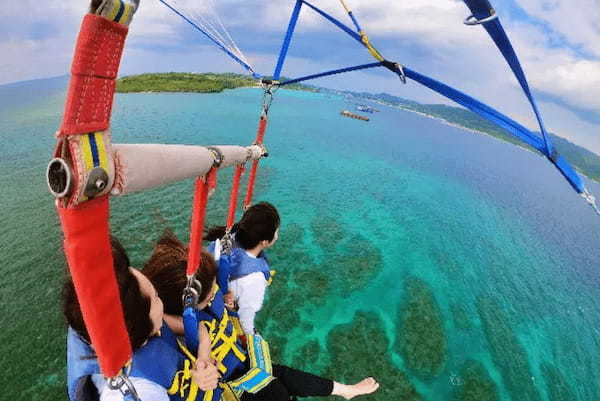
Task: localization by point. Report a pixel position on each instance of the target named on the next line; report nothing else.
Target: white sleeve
(249, 292)
(146, 389)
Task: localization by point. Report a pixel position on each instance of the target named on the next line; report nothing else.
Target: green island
(190, 82)
(583, 160)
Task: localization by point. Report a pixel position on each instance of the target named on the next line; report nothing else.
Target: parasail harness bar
(482, 14)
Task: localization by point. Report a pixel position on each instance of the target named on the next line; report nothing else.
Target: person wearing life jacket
(160, 364)
(245, 281)
(262, 380)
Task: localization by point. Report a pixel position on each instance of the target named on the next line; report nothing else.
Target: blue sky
(558, 42)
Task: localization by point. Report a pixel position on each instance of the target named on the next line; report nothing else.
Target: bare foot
(349, 391)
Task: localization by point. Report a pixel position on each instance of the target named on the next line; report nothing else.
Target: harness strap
(202, 187)
(94, 70)
(89, 256)
(374, 52)
(235, 189)
(351, 15)
(260, 135)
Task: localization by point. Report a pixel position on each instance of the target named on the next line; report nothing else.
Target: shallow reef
(307, 357)
(290, 236)
(447, 264)
(327, 232)
(558, 388)
(475, 384)
(313, 285)
(279, 314)
(460, 317)
(421, 338)
(507, 352)
(360, 349)
(357, 262)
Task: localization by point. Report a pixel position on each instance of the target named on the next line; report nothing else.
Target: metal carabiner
(125, 386)
(191, 292)
(471, 20)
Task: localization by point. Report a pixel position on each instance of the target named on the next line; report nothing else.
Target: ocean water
(447, 264)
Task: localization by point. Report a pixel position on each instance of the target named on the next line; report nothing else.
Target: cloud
(561, 58)
(577, 22)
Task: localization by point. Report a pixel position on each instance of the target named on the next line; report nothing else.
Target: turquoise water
(447, 264)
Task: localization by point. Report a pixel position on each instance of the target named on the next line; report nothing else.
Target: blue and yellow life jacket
(168, 362)
(242, 369)
(162, 360)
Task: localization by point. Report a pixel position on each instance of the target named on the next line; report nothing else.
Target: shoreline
(476, 132)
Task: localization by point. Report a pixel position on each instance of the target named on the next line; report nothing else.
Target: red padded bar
(89, 256)
(94, 70)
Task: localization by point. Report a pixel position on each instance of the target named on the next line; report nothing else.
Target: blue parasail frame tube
(481, 10)
(287, 40)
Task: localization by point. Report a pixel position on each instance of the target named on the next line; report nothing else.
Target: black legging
(290, 383)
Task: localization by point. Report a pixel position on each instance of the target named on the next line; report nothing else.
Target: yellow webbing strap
(345, 6)
(119, 11)
(365, 40)
(228, 344)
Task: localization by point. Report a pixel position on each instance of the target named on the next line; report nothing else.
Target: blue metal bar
(482, 9)
(485, 111)
(332, 72)
(215, 41)
(288, 38)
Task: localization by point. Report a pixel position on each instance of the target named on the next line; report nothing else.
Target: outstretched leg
(303, 384)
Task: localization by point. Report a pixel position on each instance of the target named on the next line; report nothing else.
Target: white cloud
(578, 22)
(427, 36)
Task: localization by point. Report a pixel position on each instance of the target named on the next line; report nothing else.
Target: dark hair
(259, 223)
(136, 306)
(166, 269)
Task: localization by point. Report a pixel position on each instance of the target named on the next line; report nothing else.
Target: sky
(558, 42)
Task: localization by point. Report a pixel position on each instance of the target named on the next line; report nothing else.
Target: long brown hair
(166, 269)
(136, 306)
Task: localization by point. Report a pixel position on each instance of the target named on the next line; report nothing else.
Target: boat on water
(347, 113)
(366, 109)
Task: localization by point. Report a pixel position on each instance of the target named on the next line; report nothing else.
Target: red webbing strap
(90, 261)
(262, 126)
(202, 186)
(260, 135)
(94, 70)
(233, 198)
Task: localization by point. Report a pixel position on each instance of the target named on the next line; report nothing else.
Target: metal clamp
(218, 156)
(96, 182)
(263, 149)
(58, 177)
(471, 20)
(395, 67)
(125, 386)
(227, 242)
(269, 88)
(191, 292)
